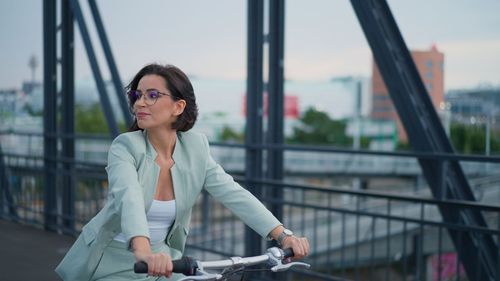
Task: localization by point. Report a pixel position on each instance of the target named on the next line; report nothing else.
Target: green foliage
(317, 128)
(90, 119)
(365, 142)
(468, 140)
(403, 145)
(472, 139)
(230, 135)
(29, 109)
(5, 115)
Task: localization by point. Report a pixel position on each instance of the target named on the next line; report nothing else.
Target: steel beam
(101, 87)
(68, 117)
(50, 113)
(426, 134)
(275, 134)
(115, 75)
(254, 110)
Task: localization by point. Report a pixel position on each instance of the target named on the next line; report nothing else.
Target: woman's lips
(141, 115)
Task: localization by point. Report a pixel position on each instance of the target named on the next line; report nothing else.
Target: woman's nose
(141, 100)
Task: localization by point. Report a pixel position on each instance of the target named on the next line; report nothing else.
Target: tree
(316, 127)
(230, 135)
(472, 139)
(90, 119)
(29, 109)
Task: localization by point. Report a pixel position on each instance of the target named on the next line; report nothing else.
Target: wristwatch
(286, 233)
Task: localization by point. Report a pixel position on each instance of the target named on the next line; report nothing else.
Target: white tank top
(160, 218)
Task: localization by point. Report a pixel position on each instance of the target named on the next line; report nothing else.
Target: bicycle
(195, 270)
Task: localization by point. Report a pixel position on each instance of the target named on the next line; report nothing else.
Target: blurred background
(351, 178)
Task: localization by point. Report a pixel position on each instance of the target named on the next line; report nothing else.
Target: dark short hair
(178, 85)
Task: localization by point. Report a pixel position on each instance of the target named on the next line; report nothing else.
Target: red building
(430, 66)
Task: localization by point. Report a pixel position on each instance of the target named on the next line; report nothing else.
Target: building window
(428, 63)
(429, 86)
(380, 98)
(383, 109)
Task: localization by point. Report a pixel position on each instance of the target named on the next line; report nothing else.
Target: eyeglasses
(150, 97)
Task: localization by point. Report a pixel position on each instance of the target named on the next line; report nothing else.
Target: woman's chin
(142, 125)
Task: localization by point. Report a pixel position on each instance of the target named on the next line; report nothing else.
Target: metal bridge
(355, 233)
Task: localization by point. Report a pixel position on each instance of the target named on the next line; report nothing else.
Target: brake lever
(276, 259)
(202, 275)
(282, 267)
(200, 278)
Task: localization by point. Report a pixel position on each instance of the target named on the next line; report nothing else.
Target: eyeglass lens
(151, 96)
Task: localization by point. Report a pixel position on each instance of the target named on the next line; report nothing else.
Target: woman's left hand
(300, 246)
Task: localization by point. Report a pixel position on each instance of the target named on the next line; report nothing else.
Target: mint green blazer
(133, 174)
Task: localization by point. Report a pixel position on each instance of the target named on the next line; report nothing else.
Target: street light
(356, 144)
(357, 82)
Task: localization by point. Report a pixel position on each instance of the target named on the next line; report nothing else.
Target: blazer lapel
(150, 173)
(178, 173)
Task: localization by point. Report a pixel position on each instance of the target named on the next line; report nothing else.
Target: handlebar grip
(140, 267)
(185, 265)
(288, 253)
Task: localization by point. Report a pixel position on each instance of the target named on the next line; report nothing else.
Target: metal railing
(354, 234)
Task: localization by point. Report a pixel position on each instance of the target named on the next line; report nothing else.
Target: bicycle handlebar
(288, 253)
(184, 265)
(188, 265)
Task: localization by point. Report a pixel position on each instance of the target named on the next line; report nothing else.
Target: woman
(155, 172)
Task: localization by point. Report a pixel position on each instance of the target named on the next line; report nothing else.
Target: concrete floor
(30, 253)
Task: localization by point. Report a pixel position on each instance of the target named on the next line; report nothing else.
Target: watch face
(288, 232)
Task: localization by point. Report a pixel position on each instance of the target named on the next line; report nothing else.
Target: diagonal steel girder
(426, 134)
(101, 87)
(108, 54)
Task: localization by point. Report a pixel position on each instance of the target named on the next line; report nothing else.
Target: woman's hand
(300, 246)
(159, 264)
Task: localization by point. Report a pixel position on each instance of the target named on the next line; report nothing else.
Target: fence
(354, 234)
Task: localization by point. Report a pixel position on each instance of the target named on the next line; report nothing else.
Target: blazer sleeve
(125, 190)
(239, 200)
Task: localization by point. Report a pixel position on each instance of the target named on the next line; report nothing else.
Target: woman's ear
(179, 107)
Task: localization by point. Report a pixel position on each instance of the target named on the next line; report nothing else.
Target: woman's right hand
(159, 264)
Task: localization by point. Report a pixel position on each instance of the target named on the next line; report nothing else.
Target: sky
(208, 38)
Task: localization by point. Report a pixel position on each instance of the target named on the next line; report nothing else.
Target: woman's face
(163, 112)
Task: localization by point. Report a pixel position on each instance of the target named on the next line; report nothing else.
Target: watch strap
(284, 234)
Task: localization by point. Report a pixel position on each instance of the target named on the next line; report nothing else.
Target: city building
(8, 102)
(475, 106)
(430, 66)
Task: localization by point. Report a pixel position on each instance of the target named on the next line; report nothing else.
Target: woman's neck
(163, 141)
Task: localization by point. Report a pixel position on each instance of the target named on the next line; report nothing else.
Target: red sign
(291, 109)
(444, 267)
